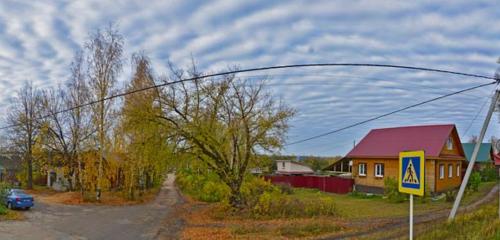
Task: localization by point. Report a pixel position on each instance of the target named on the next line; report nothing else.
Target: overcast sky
(39, 38)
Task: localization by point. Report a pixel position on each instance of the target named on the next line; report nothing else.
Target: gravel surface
(93, 222)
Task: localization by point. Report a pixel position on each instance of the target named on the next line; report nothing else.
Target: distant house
(376, 157)
(497, 161)
(484, 156)
(289, 167)
(342, 166)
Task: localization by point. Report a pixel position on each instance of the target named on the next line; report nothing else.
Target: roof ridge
(415, 126)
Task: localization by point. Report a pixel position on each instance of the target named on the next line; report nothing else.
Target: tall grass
(481, 224)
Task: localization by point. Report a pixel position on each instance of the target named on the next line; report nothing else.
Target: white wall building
(291, 167)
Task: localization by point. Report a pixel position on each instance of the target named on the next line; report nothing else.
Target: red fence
(326, 184)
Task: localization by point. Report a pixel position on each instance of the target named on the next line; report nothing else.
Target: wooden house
(289, 167)
(376, 157)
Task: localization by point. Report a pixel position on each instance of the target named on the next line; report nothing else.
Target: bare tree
(224, 122)
(80, 122)
(22, 116)
(473, 139)
(64, 132)
(105, 49)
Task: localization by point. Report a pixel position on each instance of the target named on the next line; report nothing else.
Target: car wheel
(27, 208)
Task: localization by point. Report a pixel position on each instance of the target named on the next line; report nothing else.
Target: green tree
(143, 136)
(223, 122)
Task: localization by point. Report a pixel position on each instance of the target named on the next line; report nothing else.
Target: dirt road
(92, 222)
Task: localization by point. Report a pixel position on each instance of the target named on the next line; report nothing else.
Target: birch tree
(80, 121)
(143, 136)
(105, 49)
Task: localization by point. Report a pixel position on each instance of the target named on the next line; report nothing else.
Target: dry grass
(12, 216)
(203, 221)
(213, 221)
(74, 198)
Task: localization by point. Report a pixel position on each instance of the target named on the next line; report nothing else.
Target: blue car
(17, 198)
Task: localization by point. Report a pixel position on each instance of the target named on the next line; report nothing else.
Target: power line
(261, 69)
(389, 113)
(477, 114)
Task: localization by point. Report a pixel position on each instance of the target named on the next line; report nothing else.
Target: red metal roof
(388, 142)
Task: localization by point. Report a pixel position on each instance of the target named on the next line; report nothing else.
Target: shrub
(4, 187)
(276, 205)
(489, 174)
(474, 181)
(3, 210)
(285, 188)
(253, 188)
(205, 187)
(450, 195)
(391, 190)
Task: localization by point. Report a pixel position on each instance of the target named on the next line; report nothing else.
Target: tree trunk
(30, 173)
(80, 178)
(236, 199)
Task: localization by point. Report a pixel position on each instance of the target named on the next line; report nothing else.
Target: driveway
(92, 222)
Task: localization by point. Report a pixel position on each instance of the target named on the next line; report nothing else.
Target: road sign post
(412, 177)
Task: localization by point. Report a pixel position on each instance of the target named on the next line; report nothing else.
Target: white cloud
(38, 39)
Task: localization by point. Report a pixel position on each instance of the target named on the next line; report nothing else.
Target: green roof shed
(484, 155)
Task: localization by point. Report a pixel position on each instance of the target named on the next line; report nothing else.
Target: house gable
(456, 149)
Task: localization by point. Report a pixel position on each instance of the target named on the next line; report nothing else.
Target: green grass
(357, 206)
(480, 224)
(471, 196)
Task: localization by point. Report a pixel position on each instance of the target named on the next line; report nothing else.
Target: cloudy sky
(39, 38)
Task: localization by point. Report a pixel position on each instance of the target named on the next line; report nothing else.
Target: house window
(449, 144)
(283, 165)
(379, 170)
(458, 170)
(450, 171)
(362, 169)
(441, 171)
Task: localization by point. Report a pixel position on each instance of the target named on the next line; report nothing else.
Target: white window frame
(379, 170)
(458, 170)
(362, 166)
(450, 170)
(441, 171)
(449, 144)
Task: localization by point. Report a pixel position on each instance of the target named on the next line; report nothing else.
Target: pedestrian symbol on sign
(410, 174)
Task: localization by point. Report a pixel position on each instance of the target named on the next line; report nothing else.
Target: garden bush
(489, 174)
(261, 198)
(205, 187)
(391, 190)
(474, 181)
(4, 187)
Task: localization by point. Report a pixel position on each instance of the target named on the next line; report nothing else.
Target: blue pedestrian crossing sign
(412, 172)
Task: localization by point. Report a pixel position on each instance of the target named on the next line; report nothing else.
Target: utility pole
(494, 101)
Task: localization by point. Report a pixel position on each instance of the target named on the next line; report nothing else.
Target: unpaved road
(93, 222)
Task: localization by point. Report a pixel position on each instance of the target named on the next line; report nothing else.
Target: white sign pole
(411, 216)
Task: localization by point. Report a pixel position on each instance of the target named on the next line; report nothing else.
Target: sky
(39, 38)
